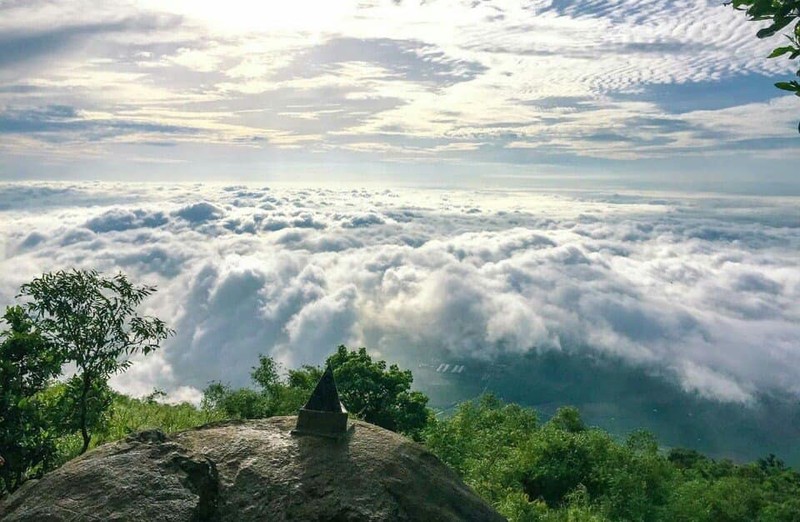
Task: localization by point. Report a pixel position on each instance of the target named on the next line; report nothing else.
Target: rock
(254, 470)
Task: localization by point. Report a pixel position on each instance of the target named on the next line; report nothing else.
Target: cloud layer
(702, 290)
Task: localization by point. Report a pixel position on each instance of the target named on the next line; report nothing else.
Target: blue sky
(651, 93)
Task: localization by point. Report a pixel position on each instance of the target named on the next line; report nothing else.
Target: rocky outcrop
(254, 470)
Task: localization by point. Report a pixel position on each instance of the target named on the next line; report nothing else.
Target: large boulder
(254, 470)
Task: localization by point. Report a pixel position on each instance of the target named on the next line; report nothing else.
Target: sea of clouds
(704, 290)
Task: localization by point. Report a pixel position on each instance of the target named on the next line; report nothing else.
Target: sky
(675, 94)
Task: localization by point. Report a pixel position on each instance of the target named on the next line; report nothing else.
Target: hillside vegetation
(558, 470)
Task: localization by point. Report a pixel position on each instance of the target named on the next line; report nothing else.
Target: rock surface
(254, 470)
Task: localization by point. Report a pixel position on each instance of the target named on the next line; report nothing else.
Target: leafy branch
(781, 13)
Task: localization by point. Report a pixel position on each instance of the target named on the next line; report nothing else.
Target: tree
(568, 418)
(480, 442)
(284, 397)
(781, 14)
(379, 394)
(276, 396)
(266, 373)
(28, 362)
(243, 403)
(371, 390)
(92, 320)
(288, 399)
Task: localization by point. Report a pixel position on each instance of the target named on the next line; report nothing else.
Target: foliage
(266, 373)
(564, 470)
(93, 322)
(243, 403)
(379, 394)
(371, 390)
(275, 397)
(27, 435)
(128, 415)
(480, 441)
(781, 14)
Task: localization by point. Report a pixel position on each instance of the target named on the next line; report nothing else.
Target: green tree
(242, 403)
(305, 378)
(560, 471)
(284, 396)
(568, 418)
(28, 362)
(481, 441)
(93, 321)
(276, 396)
(371, 390)
(299, 385)
(781, 15)
(378, 393)
(266, 374)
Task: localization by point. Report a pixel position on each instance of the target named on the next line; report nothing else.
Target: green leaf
(788, 86)
(780, 51)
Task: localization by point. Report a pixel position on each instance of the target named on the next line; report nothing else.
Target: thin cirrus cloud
(701, 290)
(453, 81)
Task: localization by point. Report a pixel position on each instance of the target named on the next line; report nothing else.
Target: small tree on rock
(93, 322)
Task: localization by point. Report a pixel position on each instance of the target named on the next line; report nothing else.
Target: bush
(370, 390)
(28, 431)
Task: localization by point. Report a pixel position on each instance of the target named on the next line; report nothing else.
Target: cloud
(702, 290)
(407, 59)
(124, 219)
(500, 82)
(22, 46)
(59, 123)
(363, 220)
(200, 212)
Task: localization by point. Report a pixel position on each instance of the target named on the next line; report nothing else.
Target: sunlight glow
(238, 16)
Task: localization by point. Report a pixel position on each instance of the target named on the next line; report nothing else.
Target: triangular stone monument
(323, 415)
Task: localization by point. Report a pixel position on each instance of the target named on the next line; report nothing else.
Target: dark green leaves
(563, 470)
(378, 393)
(792, 86)
(371, 390)
(781, 13)
(773, 29)
(780, 51)
(28, 362)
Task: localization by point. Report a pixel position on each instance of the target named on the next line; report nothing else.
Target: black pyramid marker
(323, 415)
(325, 396)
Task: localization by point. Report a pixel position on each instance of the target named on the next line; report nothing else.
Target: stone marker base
(328, 424)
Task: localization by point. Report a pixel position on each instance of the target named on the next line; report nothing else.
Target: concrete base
(329, 424)
(332, 436)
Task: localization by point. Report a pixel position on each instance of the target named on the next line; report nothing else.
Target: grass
(128, 415)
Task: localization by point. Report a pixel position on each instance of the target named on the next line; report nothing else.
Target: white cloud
(704, 289)
(439, 77)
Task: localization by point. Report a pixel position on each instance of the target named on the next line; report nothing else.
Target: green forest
(527, 467)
